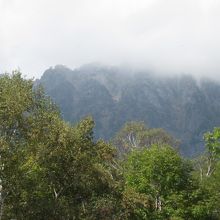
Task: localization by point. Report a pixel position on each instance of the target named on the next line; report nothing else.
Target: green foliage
(50, 169)
(212, 140)
(135, 135)
(208, 169)
(212, 185)
(165, 178)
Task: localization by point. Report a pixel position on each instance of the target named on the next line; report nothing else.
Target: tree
(26, 115)
(207, 167)
(50, 169)
(135, 135)
(166, 180)
(212, 143)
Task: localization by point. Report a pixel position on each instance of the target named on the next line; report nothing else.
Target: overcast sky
(169, 36)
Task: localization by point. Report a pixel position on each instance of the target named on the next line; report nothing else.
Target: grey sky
(170, 36)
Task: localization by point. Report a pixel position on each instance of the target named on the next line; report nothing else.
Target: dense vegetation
(50, 169)
(182, 105)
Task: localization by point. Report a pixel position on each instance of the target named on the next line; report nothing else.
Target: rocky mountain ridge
(180, 104)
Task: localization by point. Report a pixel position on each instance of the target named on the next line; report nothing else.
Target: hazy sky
(163, 35)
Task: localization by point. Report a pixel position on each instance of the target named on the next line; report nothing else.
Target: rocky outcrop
(182, 105)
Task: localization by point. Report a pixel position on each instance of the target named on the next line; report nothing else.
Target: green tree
(25, 118)
(212, 143)
(136, 135)
(48, 168)
(208, 169)
(166, 180)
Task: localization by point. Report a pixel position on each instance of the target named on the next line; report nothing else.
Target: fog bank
(172, 36)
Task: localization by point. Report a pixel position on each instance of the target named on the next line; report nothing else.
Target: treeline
(50, 169)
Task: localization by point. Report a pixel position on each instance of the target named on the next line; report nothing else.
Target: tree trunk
(2, 198)
(158, 203)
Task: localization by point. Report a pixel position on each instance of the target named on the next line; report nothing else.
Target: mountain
(182, 105)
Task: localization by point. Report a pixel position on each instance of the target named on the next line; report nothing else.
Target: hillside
(182, 105)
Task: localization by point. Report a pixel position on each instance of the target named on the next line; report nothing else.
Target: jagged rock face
(184, 107)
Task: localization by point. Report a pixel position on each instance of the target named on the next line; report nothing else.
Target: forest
(55, 170)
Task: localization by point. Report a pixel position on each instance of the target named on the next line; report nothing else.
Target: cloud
(171, 36)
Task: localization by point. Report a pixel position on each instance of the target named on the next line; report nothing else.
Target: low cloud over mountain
(164, 36)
